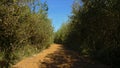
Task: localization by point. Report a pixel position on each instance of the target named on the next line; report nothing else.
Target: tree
(94, 30)
(20, 27)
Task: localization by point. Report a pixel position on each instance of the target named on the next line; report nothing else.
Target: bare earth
(58, 57)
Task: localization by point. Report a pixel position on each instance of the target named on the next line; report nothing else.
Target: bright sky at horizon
(58, 12)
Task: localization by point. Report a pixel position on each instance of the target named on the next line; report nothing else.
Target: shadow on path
(63, 58)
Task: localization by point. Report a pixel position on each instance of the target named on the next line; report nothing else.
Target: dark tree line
(94, 30)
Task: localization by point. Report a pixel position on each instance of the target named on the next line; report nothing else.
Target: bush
(22, 31)
(94, 30)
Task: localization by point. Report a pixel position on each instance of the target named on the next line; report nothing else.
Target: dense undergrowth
(93, 30)
(23, 30)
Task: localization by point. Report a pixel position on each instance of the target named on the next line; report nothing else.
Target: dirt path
(57, 57)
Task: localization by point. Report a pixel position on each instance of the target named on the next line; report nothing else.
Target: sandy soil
(33, 62)
(58, 57)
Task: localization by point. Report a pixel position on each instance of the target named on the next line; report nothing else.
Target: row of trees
(21, 24)
(94, 30)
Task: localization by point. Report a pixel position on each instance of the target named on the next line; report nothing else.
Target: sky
(58, 12)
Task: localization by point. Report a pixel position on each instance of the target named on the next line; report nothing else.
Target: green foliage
(19, 27)
(61, 34)
(94, 30)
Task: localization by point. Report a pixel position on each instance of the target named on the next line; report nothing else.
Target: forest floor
(56, 56)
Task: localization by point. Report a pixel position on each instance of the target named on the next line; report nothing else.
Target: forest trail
(56, 56)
